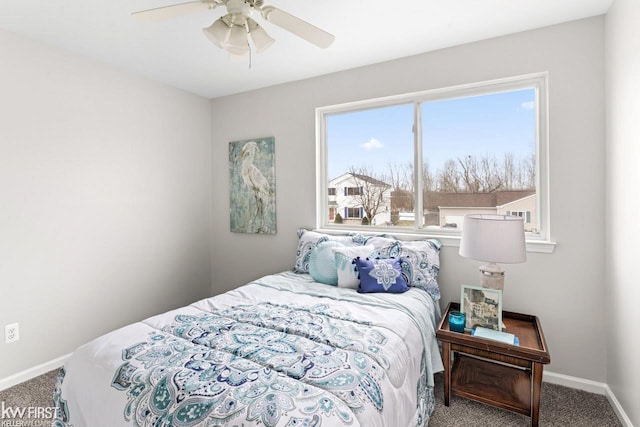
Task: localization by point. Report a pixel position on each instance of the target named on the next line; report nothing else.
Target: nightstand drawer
(511, 360)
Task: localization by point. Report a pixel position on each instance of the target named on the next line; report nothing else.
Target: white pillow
(347, 274)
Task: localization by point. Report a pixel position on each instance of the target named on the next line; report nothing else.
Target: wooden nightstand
(498, 374)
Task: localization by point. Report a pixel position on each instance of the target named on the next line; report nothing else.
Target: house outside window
(480, 148)
(361, 197)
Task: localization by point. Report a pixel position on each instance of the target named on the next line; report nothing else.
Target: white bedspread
(280, 351)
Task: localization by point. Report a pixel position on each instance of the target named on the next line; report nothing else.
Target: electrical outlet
(11, 333)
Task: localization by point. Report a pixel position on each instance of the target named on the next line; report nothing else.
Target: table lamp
(493, 239)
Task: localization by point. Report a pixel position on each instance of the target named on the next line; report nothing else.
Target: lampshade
(218, 32)
(239, 58)
(238, 42)
(493, 238)
(259, 36)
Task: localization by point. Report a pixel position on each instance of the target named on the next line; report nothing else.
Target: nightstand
(498, 374)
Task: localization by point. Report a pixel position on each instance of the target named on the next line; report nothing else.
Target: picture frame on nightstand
(481, 307)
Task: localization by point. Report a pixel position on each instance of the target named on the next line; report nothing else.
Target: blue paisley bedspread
(280, 351)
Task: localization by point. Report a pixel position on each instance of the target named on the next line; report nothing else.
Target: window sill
(450, 240)
(533, 245)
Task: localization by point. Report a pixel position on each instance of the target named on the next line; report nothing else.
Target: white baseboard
(31, 373)
(591, 387)
(574, 382)
(622, 416)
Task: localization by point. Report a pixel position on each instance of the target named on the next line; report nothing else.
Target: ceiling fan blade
(165, 12)
(297, 26)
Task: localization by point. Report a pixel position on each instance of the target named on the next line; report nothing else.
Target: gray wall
(104, 200)
(623, 204)
(565, 289)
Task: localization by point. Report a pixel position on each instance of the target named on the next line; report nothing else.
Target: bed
(283, 350)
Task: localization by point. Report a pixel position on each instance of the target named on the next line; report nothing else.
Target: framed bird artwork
(253, 186)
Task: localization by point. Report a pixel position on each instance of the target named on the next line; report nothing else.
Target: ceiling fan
(231, 32)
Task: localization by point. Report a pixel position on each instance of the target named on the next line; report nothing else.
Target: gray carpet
(559, 406)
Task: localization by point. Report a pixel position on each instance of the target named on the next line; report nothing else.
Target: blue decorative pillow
(380, 275)
(322, 262)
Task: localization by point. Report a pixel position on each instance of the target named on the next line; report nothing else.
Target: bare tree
(428, 180)
(402, 183)
(519, 175)
(529, 173)
(480, 175)
(490, 176)
(486, 174)
(469, 174)
(510, 175)
(401, 176)
(449, 178)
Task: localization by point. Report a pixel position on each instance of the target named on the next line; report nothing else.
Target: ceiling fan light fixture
(232, 31)
(261, 40)
(238, 7)
(238, 42)
(218, 32)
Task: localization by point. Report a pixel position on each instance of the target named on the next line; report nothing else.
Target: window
(478, 148)
(352, 191)
(521, 214)
(353, 212)
(332, 191)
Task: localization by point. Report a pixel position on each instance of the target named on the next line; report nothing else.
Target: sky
(482, 125)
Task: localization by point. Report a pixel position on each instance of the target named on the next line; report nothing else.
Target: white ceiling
(177, 53)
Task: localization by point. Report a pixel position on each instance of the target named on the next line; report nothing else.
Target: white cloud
(530, 105)
(372, 144)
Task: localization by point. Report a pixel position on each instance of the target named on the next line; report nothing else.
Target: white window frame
(536, 242)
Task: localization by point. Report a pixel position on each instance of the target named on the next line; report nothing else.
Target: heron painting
(252, 186)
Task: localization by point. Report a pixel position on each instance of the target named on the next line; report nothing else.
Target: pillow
(419, 260)
(307, 240)
(380, 241)
(380, 275)
(343, 257)
(322, 262)
(423, 258)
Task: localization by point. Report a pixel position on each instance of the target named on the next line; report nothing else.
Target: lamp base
(491, 276)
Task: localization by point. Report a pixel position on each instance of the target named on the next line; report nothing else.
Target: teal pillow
(322, 263)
